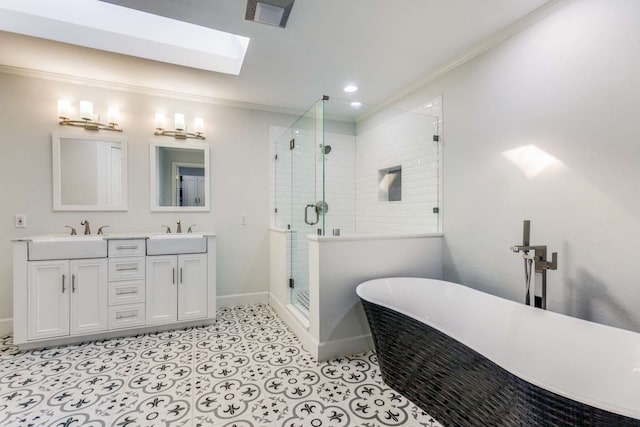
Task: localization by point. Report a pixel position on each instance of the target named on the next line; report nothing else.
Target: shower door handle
(306, 214)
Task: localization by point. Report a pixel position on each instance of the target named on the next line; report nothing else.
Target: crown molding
(104, 84)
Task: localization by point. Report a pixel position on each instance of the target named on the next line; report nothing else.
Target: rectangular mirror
(89, 172)
(179, 176)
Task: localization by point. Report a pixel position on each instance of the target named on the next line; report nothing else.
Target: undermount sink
(67, 247)
(170, 244)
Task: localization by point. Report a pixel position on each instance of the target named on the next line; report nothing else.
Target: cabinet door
(192, 286)
(89, 295)
(48, 295)
(161, 289)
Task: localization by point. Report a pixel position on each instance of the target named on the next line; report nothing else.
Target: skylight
(104, 26)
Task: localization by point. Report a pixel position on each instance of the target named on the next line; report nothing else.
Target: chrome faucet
(190, 228)
(73, 230)
(179, 228)
(537, 259)
(100, 233)
(168, 228)
(539, 252)
(87, 230)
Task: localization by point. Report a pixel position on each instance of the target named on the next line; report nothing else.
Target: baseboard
(6, 326)
(242, 299)
(346, 346)
(308, 342)
(115, 333)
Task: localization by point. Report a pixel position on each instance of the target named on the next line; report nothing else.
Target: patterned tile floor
(245, 370)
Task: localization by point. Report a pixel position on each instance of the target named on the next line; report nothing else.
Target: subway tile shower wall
(352, 177)
(340, 183)
(405, 140)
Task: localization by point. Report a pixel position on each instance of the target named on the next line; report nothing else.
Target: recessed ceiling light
(356, 104)
(350, 88)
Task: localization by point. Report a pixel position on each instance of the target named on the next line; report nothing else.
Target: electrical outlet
(21, 221)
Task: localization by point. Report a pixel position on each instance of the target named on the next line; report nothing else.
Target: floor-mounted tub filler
(470, 358)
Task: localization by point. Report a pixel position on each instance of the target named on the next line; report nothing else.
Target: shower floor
(302, 300)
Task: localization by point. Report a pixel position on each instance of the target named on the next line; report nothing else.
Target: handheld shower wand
(528, 263)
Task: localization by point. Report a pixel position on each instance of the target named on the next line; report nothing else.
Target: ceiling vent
(270, 12)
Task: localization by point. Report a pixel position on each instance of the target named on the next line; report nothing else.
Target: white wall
(239, 141)
(569, 86)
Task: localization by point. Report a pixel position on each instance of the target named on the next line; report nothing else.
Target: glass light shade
(198, 125)
(113, 115)
(86, 110)
(179, 121)
(160, 121)
(64, 109)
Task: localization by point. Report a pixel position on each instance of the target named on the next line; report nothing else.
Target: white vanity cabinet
(77, 288)
(176, 288)
(66, 297)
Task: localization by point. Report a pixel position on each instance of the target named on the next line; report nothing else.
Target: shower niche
(390, 184)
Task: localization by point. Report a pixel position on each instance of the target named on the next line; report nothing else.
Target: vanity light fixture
(88, 119)
(180, 131)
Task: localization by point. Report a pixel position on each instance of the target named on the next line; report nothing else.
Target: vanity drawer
(127, 248)
(126, 292)
(126, 316)
(126, 268)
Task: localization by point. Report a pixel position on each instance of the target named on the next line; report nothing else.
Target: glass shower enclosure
(336, 172)
(298, 197)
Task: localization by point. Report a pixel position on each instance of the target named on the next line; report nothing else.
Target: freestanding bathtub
(472, 359)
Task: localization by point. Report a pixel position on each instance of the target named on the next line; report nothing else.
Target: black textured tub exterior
(460, 387)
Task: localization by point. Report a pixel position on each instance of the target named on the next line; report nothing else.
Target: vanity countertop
(114, 236)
